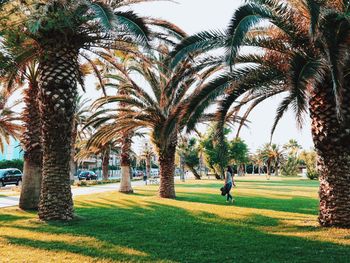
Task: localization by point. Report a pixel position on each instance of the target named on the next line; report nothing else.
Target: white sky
(197, 15)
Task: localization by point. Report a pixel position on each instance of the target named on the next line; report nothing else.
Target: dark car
(10, 176)
(87, 175)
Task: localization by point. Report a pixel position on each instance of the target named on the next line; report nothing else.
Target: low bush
(16, 163)
(94, 182)
(290, 167)
(312, 174)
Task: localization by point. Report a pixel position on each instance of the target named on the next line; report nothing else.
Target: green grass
(270, 221)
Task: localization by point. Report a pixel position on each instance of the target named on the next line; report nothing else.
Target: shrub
(16, 163)
(81, 183)
(93, 182)
(290, 168)
(312, 174)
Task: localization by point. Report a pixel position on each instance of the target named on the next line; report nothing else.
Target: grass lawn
(270, 221)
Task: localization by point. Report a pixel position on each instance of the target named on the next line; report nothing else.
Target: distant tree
(290, 166)
(238, 152)
(188, 151)
(257, 160)
(273, 156)
(292, 147)
(310, 160)
(79, 132)
(93, 147)
(215, 152)
(16, 163)
(147, 155)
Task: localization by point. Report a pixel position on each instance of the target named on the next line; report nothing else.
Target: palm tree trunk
(268, 174)
(194, 171)
(58, 83)
(73, 164)
(182, 168)
(105, 163)
(217, 176)
(167, 169)
(31, 144)
(331, 139)
(148, 165)
(125, 183)
(276, 170)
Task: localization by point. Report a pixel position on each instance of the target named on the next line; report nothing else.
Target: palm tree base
(30, 192)
(125, 183)
(167, 170)
(335, 191)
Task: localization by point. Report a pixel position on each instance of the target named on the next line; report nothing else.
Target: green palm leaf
(134, 24)
(104, 13)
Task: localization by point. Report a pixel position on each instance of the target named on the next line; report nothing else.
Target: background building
(12, 151)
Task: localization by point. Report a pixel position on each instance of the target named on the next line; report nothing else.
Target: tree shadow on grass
(94, 252)
(215, 185)
(301, 205)
(8, 218)
(167, 233)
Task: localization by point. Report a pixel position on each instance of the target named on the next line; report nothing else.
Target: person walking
(145, 177)
(228, 183)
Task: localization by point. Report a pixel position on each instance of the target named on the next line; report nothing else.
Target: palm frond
(103, 13)
(203, 41)
(134, 24)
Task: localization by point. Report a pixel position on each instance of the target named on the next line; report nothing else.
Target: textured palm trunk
(58, 83)
(276, 170)
(125, 184)
(332, 140)
(167, 170)
(182, 168)
(31, 143)
(148, 165)
(105, 163)
(73, 164)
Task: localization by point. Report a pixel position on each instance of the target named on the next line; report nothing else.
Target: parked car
(139, 173)
(87, 175)
(10, 176)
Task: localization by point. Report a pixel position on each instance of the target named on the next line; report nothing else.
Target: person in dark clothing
(229, 183)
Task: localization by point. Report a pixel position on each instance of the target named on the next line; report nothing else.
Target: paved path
(7, 201)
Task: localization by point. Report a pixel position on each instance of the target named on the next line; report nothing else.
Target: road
(7, 201)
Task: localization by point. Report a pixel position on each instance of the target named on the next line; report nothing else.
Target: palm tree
(165, 111)
(10, 121)
(79, 130)
(278, 157)
(305, 55)
(258, 159)
(92, 147)
(125, 162)
(267, 157)
(147, 154)
(18, 72)
(293, 147)
(63, 32)
(272, 156)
